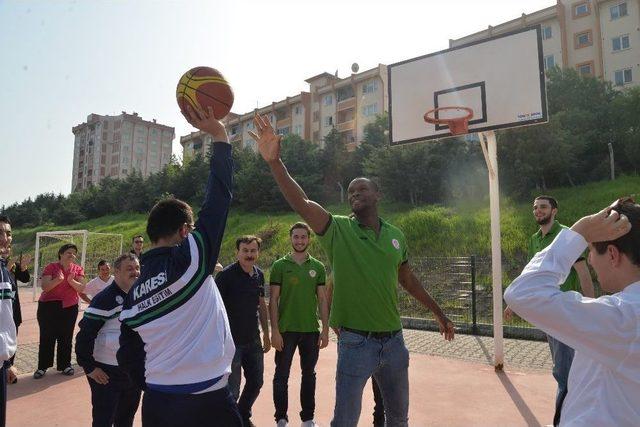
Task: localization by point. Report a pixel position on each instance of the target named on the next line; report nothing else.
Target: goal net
(92, 247)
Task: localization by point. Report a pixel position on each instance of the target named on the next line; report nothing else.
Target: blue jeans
(562, 356)
(250, 358)
(360, 358)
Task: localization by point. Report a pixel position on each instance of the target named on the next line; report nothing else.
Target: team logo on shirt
(119, 299)
(395, 243)
(312, 273)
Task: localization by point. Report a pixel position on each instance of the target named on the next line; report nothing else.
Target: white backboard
(501, 79)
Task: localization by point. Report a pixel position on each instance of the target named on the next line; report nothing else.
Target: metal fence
(462, 286)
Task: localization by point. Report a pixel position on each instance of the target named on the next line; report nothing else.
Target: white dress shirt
(604, 381)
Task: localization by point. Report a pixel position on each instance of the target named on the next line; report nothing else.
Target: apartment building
(115, 146)
(596, 37)
(346, 104)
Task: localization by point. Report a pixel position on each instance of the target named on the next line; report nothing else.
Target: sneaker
(309, 423)
(282, 423)
(68, 371)
(39, 373)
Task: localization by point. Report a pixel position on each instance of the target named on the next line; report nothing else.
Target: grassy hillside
(455, 230)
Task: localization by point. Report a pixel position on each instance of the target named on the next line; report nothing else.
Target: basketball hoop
(457, 125)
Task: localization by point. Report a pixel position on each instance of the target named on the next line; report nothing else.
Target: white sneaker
(309, 423)
(282, 423)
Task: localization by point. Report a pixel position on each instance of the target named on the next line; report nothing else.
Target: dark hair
(65, 248)
(102, 262)
(248, 239)
(124, 257)
(629, 244)
(373, 182)
(300, 225)
(166, 218)
(136, 236)
(5, 219)
(553, 202)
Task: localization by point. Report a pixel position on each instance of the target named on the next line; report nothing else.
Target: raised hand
(25, 261)
(267, 140)
(206, 122)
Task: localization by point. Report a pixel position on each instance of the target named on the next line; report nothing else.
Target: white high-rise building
(115, 146)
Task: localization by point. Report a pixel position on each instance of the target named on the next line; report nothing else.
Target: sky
(63, 60)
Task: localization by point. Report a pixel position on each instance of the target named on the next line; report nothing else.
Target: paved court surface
(452, 384)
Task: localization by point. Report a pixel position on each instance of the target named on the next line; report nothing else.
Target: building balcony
(283, 122)
(346, 126)
(346, 104)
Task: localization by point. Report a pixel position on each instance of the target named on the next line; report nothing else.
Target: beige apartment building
(596, 37)
(346, 104)
(115, 146)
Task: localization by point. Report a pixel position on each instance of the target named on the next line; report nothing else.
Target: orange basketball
(203, 87)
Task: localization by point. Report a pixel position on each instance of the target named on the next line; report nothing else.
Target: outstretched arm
(213, 215)
(410, 282)
(269, 146)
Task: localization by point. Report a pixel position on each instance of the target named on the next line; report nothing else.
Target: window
(370, 87)
(283, 131)
(618, 11)
(234, 130)
(623, 77)
(621, 43)
(328, 121)
(316, 116)
(297, 110)
(328, 99)
(297, 130)
(197, 145)
(370, 110)
(581, 9)
(316, 135)
(585, 69)
(249, 125)
(549, 62)
(583, 39)
(547, 33)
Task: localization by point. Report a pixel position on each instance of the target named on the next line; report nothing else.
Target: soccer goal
(92, 247)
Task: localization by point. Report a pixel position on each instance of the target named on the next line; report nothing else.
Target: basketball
(203, 87)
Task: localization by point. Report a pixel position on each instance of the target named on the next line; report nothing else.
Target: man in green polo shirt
(368, 258)
(297, 294)
(545, 209)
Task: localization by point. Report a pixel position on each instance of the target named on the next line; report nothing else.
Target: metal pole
(611, 162)
(491, 156)
(83, 258)
(35, 268)
(474, 312)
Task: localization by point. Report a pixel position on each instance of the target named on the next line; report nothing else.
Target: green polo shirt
(365, 274)
(297, 306)
(538, 242)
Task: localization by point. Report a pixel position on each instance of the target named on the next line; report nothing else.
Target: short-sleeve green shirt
(297, 306)
(365, 273)
(538, 242)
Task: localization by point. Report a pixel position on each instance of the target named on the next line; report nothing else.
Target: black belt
(367, 334)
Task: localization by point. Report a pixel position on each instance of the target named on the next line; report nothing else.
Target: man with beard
(241, 286)
(297, 283)
(368, 257)
(545, 209)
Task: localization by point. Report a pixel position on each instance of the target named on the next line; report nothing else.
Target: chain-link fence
(463, 288)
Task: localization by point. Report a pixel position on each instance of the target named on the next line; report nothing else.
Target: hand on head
(603, 226)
